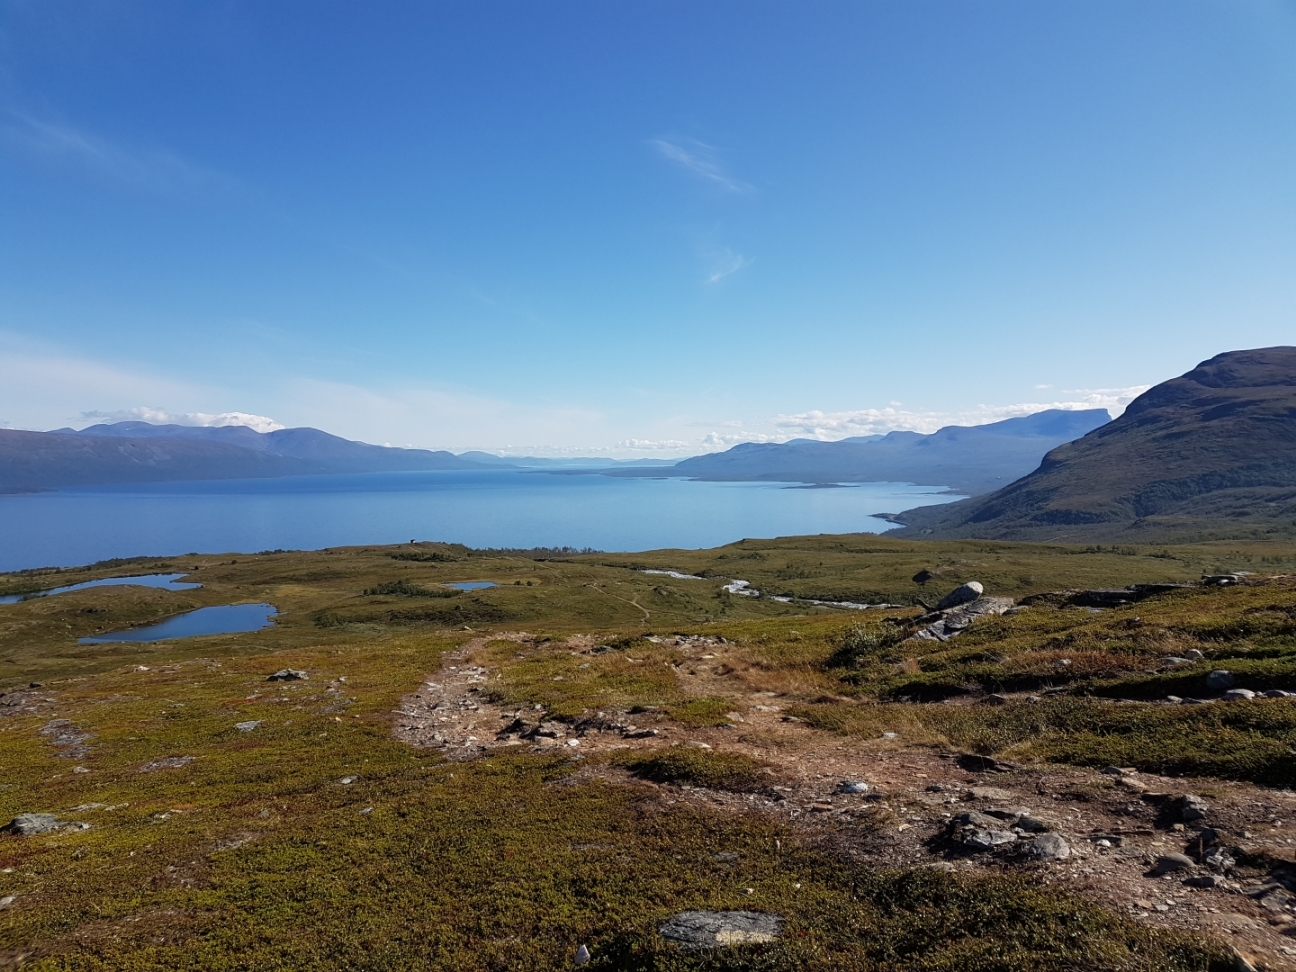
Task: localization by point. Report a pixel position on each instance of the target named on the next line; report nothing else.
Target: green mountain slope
(1208, 454)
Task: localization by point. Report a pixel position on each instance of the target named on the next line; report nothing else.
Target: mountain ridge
(1211, 453)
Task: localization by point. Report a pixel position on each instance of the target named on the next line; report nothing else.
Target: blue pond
(470, 585)
(226, 619)
(166, 582)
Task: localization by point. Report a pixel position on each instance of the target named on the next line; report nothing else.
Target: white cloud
(727, 262)
(869, 421)
(701, 160)
(152, 169)
(650, 445)
(158, 416)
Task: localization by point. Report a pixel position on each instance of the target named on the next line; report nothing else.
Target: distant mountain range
(968, 459)
(138, 452)
(1209, 454)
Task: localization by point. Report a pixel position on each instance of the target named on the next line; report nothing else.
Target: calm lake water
(166, 582)
(488, 508)
(224, 619)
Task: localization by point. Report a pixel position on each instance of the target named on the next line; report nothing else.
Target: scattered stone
(1173, 660)
(347, 780)
(638, 733)
(852, 786)
(1167, 863)
(980, 839)
(1174, 699)
(1191, 807)
(288, 675)
(1219, 680)
(1205, 881)
(1116, 771)
(247, 726)
(1278, 694)
(167, 762)
(1238, 695)
(708, 929)
(7, 900)
(582, 956)
(963, 594)
(1049, 847)
(890, 735)
(1192, 654)
(988, 793)
(1277, 899)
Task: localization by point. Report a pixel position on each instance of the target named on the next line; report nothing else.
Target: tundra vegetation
(236, 822)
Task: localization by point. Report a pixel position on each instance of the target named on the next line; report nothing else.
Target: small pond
(470, 585)
(167, 582)
(226, 619)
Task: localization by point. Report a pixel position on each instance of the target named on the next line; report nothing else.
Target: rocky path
(1222, 862)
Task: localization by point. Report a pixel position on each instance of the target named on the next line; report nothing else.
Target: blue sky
(644, 228)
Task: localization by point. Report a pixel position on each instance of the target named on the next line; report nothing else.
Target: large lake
(490, 508)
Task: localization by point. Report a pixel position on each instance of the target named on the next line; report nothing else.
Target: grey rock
(1049, 847)
(964, 594)
(1218, 859)
(1278, 694)
(1167, 863)
(288, 675)
(709, 929)
(1175, 660)
(247, 726)
(983, 839)
(582, 956)
(973, 818)
(29, 824)
(1192, 654)
(1238, 695)
(7, 900)
(1173, 699)
(1191, 807)
(852, 786)
(1219, 680)
(1032, 825)
(1204, 881)
(1278, 899)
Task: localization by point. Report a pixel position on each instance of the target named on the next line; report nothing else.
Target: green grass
(698, 767)
(256, 855)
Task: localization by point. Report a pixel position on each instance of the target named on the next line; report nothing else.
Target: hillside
(1208, 454)
(968, 459)
(142, 453)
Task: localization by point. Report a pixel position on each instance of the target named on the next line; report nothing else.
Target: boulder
(1278, 694)
(709, 929)
(963, 594)
(972, 818)
(983, 839)
(1167, 863)
(1238, 695)
(852, 786)
(287, 675)
(1049, 847)
(28, 824)
(1192, 654)
(1191, 807)
(1219, 680)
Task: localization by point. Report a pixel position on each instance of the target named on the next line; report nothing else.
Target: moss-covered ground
(311, 837)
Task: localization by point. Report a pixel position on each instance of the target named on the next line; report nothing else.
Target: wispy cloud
(828, 426)
(869, 421)
(727, 263)
(701, 160)
(158, 416)
(653, 445)
(147, 168)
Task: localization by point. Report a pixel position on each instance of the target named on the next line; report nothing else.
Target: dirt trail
(1116, 825)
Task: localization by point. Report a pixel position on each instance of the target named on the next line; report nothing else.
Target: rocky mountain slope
(1208, 454)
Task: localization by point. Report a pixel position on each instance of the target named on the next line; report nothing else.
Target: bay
(486, 508)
